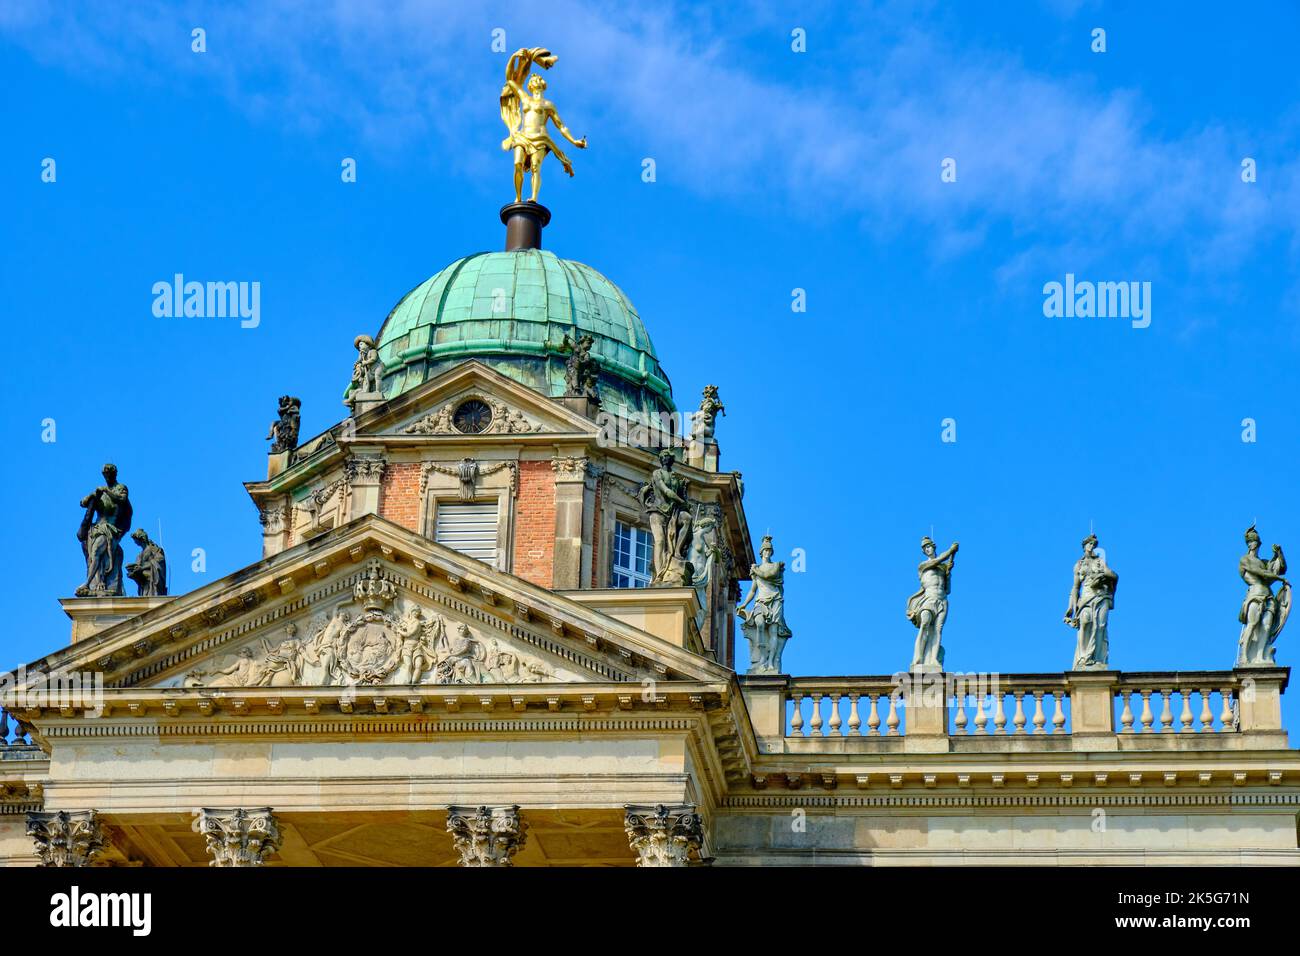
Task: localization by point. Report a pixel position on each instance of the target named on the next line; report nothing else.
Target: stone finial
(239, 837)
(486, 836)
(665, 835)
(66, 838)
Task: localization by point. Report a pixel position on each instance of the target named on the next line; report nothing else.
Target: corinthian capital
(365, 470)
(665, 836)
(239, 837)
(66, 838)
(486, 836)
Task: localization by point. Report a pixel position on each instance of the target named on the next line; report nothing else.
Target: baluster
(1039, 718)
(835, 716)
(855, 722)
(1146, 711)
(960, 721)
(816, 724)
(1185, 718)
(1207, 718)
(1019, 718)
(981, 718)
(999, 716)
(1229, 716)
(873, 718)
(4, 727)
(1166, 714)
(892, 720)
(796, 717)
(1126, 718)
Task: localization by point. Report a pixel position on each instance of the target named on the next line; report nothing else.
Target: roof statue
(525, 111)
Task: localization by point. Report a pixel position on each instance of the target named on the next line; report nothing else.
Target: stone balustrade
(1073, 710)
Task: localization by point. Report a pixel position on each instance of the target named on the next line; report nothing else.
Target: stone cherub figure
(579, 367)
(367, 371)
(106, 518)
(526, 113)
(927, 609)
(149, 569)
(284, 431)
(764, 626)
(1092, 596)
(1263, 613)
(664, 499)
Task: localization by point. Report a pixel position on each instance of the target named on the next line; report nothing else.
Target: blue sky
(776, 170)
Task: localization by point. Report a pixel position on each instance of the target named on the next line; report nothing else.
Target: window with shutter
(469, 527)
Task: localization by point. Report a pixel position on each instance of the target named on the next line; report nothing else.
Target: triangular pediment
(373, 605)
(502, 406)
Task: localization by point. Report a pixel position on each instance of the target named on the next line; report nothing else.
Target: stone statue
(149, 570)
(580, 367)
(367, 373)
(526, 113)
(1092, 596)
(1263, 613)
(706, 555)
(664, 500)
(284, 431)
(927, 609)
(703, 422)
(764, 626)
(107, 517)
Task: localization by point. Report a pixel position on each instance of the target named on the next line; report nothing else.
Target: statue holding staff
(106, 518)
(1092, 596)
(927, 609)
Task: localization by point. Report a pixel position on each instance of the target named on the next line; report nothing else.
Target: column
(363, 474)
(239, 837)
(666, 835)
(486, 836)
(570, 491)
(66, 837)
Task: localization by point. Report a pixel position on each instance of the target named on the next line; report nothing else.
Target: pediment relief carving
(475, 413)
(375, 634)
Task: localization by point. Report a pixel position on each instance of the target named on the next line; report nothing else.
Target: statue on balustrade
(1263, 613)
(668, 511)
(764, 625)
(106, 518)
(367, 373)
(927, 609)
(1092, 596)
(149, 569)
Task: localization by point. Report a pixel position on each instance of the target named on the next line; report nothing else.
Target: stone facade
(365, 695)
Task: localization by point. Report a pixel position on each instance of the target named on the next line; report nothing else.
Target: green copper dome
(511, 311)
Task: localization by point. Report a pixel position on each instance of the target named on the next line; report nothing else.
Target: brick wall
(399, 494)
(535, 523)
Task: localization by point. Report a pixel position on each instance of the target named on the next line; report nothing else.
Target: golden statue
(525, 113)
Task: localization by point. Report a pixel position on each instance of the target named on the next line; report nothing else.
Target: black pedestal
(524, 222)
